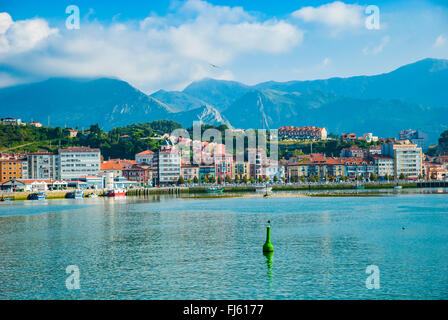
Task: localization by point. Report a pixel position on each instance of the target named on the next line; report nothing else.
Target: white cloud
(440, 41)
(335, 14)
(21, 36)
(159, 52)
(373, 50)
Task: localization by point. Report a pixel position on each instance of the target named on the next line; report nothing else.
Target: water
(170, 248)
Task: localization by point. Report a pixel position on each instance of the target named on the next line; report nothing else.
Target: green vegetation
(122, 142)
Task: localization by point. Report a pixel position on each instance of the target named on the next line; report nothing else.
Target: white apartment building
(407, 158)
(385, 165)
(75, 162)
(168, 163)
(42, 165)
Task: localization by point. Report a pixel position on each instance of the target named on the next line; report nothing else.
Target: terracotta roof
(111, 166)
(145, 152)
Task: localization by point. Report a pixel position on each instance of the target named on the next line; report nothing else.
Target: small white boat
(92, 195)
(398, 187)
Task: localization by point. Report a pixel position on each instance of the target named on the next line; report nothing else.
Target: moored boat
(398, 187)
(92, 195)
(214, 190)
(116, 193)
(38, 196)
(77, 194)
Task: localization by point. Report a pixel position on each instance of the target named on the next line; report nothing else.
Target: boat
(5, 199)
(214, 190)
(38, 196)
(116, 193)
(92, 195)
(78, 194)
(359, 187)
(398, 187)
(264, 189)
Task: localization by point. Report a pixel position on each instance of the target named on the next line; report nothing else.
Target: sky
(167, 44)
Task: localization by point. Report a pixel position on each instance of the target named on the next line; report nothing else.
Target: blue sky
(167, 44)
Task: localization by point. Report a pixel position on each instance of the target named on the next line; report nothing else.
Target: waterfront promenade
(200, 188)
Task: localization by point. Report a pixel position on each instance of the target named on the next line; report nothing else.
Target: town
(400, 158)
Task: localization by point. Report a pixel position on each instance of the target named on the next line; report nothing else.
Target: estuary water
(167, 247)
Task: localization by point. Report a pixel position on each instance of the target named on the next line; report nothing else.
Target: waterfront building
(257, 161)
(167, 164)
(374, 150)
(302, 133)
(141, 173)
(274, 169)
(145, 157)
(189, 171)
(407, 158)
(11, 169)
(206, 170)
(112, 166)
(43, 165)
(223, 165)
(75, 162)
(241, 169)
(385, 165)
(359, 167)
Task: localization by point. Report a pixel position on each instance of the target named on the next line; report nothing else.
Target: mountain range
(412, 96)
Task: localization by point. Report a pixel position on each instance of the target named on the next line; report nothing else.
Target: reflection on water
(269, 263)
(166, 247)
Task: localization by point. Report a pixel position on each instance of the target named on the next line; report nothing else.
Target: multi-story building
(189, 171)
(359, 167)
(257, 161)
(11, 169)
(273, 169)
(415, 136)
(241, 170)
(353, 151)
(206, 170)
(385, 165)
(369, 137)
(167, 164)
(43, 165)
(145, 157)
(141, 173)
(75, 162)
(223, 165)
(302, 133)
(407, 158)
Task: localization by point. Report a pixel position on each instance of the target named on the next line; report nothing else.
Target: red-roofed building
(145, 157)
(302, 133)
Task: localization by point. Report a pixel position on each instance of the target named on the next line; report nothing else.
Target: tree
(402, 176)
(433, 176)
(373, 177)
(212, 179)
(359, 177)
(189, 180)
(195, 179)
(260, 178)
(220, 180)
(245, 180)
(205, 180)
(302, 179)
(181, 180)
(275, 179)
(228, 178)
(252, 180)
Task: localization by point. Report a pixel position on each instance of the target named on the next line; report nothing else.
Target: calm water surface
(171, 248)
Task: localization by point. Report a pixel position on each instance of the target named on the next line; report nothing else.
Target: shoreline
(61, 194)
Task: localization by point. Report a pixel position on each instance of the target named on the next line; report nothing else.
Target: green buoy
(268, 247)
